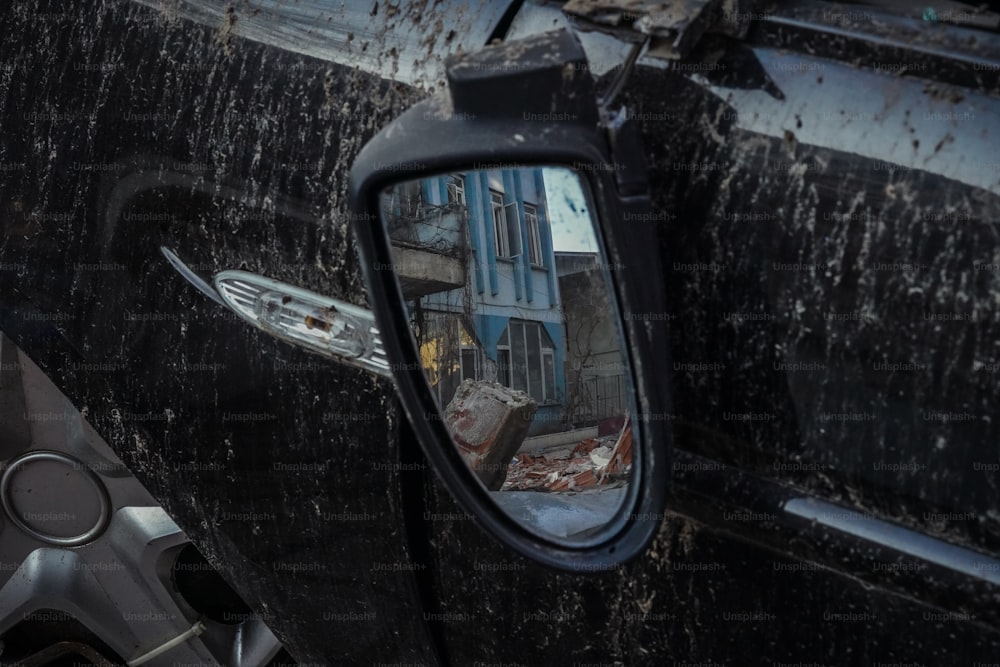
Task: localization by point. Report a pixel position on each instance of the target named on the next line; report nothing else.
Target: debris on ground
(602, 461)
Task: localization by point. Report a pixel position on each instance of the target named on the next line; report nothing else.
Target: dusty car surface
(776, 356)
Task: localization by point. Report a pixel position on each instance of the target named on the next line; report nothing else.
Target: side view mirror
(510, 253)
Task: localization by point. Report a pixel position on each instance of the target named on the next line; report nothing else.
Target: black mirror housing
(531, 79)
(530, 103)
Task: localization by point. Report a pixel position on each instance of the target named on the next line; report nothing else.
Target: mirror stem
(605, 101)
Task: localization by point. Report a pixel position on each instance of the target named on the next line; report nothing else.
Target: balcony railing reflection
(430, 246)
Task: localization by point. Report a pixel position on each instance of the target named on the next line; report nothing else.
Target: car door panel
(134, 129)
(801, 530)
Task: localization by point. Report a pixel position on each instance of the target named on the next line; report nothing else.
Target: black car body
(827, 191)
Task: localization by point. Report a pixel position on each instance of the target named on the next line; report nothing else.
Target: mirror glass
(513, 316)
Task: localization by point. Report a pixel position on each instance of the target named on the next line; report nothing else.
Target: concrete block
(489, 422)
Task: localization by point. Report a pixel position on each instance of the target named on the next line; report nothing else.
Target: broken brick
(586, 446)
(578, 481)
(489, 423)
(621, 455)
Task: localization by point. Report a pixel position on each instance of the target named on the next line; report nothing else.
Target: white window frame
(501, 236)
(456, 189)
(548, 393)
(534, 235)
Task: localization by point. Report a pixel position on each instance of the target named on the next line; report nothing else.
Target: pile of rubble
(604, 461)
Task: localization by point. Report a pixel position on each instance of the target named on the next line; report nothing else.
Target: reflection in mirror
(510, 306)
